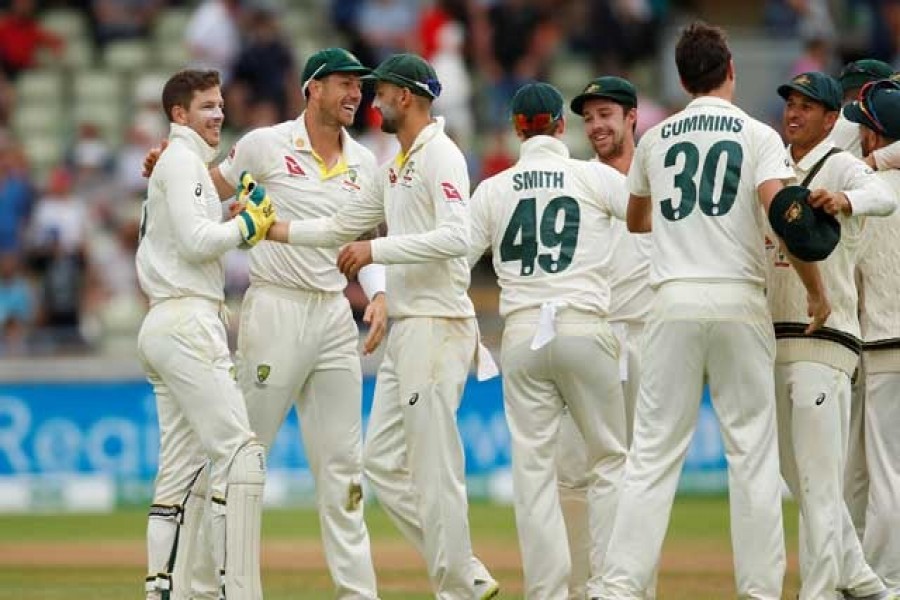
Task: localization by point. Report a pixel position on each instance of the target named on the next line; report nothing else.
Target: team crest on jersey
(293, 167)
(350, 181)
(451, 194)
(408, 171)
(262, 373)
(793, 212)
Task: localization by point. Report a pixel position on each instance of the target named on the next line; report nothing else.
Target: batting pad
(243, 514)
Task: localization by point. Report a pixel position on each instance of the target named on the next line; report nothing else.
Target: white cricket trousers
(184, 350)
(881, 542)
(413, 454)
(856, 471)
(722, 331)
(571, 461)
(813, 427)
(577, 369)
(299, 348)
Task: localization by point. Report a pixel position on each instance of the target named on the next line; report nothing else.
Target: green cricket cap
(619, 90)
(878, 108)
(809, 233)
(536, 105)
(860, 72)
(331, 60)
(816, 86)
(410, 71)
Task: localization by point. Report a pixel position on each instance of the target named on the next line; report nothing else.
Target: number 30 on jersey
(685, 179)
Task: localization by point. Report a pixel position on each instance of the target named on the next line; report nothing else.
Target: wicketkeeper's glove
(258, 214)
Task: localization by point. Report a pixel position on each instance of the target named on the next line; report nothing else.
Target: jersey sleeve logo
(293, 167)
(451, 194)
(232, 152)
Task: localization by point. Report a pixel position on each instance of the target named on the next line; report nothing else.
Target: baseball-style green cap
(809, 233)
(878, 108)
(410, 71)
(816, 86)
(331, 60)
(536, 105)
(619, 90)
(860, 72)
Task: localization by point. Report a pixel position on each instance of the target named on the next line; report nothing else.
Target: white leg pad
(243, 515)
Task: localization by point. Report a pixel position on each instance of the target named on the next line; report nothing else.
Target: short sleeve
(246, 155)
(771, 160)
(638, 182)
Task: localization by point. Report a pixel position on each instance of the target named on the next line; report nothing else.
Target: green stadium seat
(173, 56)
(97, 85)
(38, 118)
(170, 25)
(40, 86)
(127, 56)
(68, 23)
(106, 115)
(43, 151)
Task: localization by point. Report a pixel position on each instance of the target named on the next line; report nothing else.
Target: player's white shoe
(485, 589)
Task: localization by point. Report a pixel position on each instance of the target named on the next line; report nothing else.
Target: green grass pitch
(100, 557)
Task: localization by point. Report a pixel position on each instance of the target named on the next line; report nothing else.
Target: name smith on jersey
(537, 179)
(702, 123)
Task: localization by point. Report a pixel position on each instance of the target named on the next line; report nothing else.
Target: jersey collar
(813, 156)
(427, 134)
(543, 144)
(193, 140)
(301, 143)
(710, 101)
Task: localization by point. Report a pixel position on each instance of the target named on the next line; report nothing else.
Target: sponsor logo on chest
(293, 168)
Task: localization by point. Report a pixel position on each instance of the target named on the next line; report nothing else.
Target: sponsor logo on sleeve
(451, 194)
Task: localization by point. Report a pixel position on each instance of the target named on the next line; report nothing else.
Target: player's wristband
(372, 279)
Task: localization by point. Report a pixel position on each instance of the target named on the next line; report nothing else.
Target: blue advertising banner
(93, 445)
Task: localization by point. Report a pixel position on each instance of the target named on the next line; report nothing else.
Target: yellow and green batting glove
(258, 214)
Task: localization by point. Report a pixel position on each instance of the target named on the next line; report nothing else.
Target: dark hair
(179, 89)
(702, 57)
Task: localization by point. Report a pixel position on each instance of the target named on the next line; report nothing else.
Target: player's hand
(376, 318)
(152, 157)
(257, 215)
(832, 202)
(818, 308)
(234, 209)
(353, 257)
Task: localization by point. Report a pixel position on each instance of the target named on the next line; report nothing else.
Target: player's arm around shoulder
(249, 154)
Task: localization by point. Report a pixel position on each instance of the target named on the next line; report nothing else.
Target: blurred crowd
(68, 235)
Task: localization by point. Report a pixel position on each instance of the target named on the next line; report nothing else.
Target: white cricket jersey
(838, 343)
(879, 266)
(845, 135)
(701, 169)
(628, 269)
(547, 221)
(282, 159)
(183, 237)
(424, 198)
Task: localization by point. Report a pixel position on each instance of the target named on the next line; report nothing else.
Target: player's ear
(561, 126)
(831, 118)
(180, 114)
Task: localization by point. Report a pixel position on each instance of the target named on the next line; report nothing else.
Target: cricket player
(608, 108)
(547, 221)
(183, 346)
(878, 114)
(702, 178)
(307, 357)
(853, 76)
(812, 370)
(413, 455)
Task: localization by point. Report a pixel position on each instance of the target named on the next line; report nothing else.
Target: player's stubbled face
(387, 98)
(803, 121)
(341, 95)
(206, 114)
(606, 124)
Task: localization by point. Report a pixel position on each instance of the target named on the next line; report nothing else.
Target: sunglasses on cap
(864, 100)
(534, 122)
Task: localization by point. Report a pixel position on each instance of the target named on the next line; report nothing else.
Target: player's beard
(390, 119)
(615, 150)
